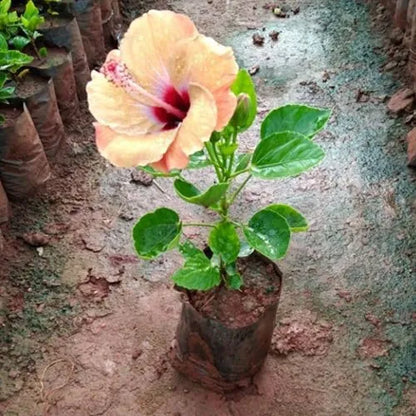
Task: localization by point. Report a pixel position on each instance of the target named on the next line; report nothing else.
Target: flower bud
(242, 111)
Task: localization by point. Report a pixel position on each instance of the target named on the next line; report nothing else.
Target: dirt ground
(85, 326)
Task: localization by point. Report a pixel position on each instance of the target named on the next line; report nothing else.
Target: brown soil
(55, 57)
(30, 85)
(239, 308)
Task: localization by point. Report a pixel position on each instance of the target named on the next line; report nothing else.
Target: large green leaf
(224, 242)
(285, 154)
(193, 195)
(297, 222)
(197, 273)
(243, 84)
(156, 232)
(269, 233)
(292, 117)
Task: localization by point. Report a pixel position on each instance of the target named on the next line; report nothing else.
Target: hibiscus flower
(161, 95)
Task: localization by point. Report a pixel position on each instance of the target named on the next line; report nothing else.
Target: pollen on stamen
(116, 72)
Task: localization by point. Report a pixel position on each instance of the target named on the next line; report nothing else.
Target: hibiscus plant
(172, 99)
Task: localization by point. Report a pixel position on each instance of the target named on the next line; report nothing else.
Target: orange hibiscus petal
(112, 106)
(147, 45)
(226, 104)
(195, 130)
(130, 151)
(203, 61)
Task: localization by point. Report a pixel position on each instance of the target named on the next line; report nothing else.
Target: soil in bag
(88, 15)
(23, 163)
(224, 335)
(58, 66)
(40, 98)
(63, 32)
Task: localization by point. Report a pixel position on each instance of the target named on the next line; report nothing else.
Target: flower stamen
(117, 73)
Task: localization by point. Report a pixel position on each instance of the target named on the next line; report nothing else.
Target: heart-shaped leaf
(293, 117)
(156, 233)
(269, 233)
(193, 195)
(285, 154)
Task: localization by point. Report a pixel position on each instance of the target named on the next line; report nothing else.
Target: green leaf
(269, 233)
(13, 60)
(285, 154)
(243, 161)
(297, 222)
(292, 117)
(30, 10)
(6, 93)
(245, 249)
(5, 6)
(191, 194)
(37, 34)
(224, 242)
(3, 79)
(243, 84)
(234, 280)
(43, 52)
(228, 149)
(156, 233)
(197, 273)
(19, 42)
(198, 160)
(156, 173)
(3, 43)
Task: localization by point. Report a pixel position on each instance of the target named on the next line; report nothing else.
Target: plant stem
(198, 224)
(36, 49)
(214, 160)
(240, 188)
(234, 175)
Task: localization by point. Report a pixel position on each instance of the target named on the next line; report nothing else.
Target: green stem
(239, 189)
(221, 162)
(234, 175)
(36, 49)
(231, 161)
(214, 160)
(197, 224)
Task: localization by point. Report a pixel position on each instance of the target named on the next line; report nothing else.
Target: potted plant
(172, 99)
(23, 163)
(19, 33)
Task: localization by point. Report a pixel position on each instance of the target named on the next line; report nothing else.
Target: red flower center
(179, 101)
